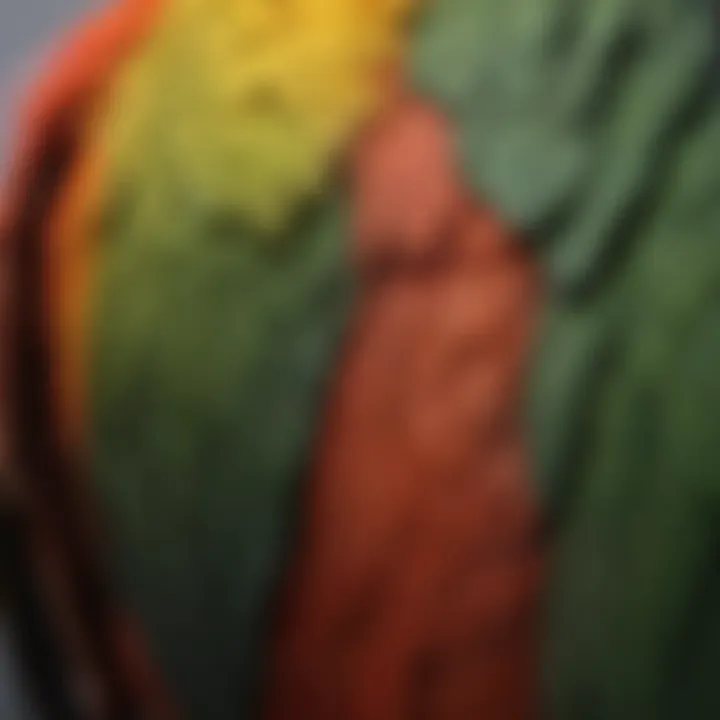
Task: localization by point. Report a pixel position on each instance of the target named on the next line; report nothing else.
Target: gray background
(28, 29)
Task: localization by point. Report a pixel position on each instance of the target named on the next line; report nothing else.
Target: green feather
(211, 356)
(594, 127)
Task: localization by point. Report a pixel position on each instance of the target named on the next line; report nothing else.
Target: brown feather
(416, 589)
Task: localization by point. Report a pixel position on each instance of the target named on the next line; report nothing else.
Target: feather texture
(593, 127)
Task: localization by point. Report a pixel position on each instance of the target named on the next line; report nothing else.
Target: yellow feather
(250, 101)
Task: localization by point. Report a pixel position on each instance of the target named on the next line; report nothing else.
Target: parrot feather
(172, 319)
(593, 128)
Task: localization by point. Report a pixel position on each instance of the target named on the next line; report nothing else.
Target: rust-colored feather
(416, 588)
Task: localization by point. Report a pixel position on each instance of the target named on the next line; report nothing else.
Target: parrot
(352, 367)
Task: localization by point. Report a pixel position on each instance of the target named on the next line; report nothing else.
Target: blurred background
(27, 29)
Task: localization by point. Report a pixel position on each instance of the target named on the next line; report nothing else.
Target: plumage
(414, 589)
(360, 361)
(593, 127)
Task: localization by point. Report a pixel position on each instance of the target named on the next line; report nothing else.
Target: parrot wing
(594, 129)
(174, 363)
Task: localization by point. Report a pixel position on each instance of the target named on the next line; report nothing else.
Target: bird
(358, 362)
